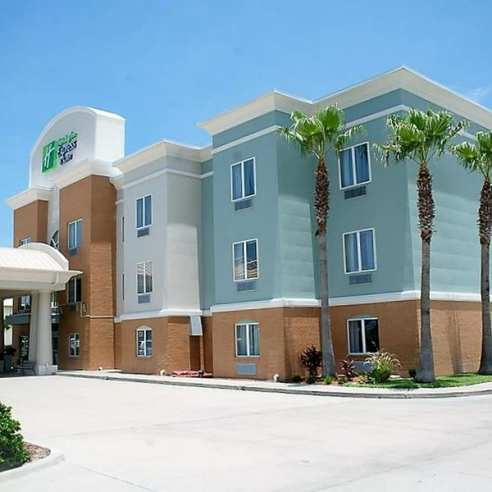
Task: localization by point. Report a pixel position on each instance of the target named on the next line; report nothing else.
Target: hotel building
(205, 258)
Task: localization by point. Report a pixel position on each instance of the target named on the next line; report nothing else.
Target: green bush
(328, 379)
(296, 379)
(383, 364)
(12, 450)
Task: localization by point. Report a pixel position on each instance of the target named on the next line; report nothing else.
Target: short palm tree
(477, 157)
(315, 135)
(420, 137)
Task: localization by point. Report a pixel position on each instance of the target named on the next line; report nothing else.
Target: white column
(33, 325)
(44, 352)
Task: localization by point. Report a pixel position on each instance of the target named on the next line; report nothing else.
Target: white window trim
(359, 255)
(143, 329)
(363, 334)
(247, 324)
(145, 292)
(75, 291)
(242, 179)
(77, 239)
(70, 345)
(244, 241)
(352, 148)
(143, 211)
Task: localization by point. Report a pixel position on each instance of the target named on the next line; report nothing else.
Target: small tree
(12, 450)
(477, 158)
(420, 137)
(311, 359)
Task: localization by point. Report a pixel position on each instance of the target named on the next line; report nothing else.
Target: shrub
(328, 379)
(12, 450)
(347, 369)
(310, 379)
(383, 364)
(311, 359)
(412, 373)
(296, 378)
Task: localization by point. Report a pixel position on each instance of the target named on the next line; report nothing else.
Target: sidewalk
(286, 388)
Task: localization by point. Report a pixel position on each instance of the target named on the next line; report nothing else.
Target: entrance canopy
(32, 267)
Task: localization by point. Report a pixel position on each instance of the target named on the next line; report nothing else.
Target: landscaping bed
(34, 452)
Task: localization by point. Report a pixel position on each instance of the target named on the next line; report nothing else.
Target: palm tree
(477, 158)
(315, 135)
(421, 136)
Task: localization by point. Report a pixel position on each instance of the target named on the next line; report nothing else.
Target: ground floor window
(74, 345)
(144, 342)
(247, 340)
(363, 335)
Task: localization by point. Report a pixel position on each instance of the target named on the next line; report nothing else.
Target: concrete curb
(395, 395)
(52, 459)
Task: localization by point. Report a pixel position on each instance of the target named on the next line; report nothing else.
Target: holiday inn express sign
(59, 152)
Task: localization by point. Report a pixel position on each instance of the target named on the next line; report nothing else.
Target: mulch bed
(35, 453)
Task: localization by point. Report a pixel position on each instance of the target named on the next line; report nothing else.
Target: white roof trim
(28, 196)
(399, 78)
(84, 169)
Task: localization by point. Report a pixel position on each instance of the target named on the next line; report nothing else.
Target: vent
(241, 204)
(73, 251)
(355, 192)
(245, 286)
(144, 299)
(143, 231)
(246, 369)
(360, 279)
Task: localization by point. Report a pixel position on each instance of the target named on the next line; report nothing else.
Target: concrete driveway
(120, 436)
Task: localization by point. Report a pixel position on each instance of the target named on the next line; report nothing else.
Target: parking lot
(126, 436)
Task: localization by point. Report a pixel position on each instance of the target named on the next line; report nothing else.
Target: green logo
(59, 152)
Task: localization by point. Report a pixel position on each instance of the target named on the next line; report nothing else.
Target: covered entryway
(38, 270)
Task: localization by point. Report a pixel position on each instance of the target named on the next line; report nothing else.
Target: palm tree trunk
(426, 211)
(485, 223)
(321, 204)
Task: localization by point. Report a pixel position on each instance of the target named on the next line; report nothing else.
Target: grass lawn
(441, 382)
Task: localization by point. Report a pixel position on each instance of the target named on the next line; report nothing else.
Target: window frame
(359, 255)
(143, 226)
(246, 279)
(363, 334)
(253, 158)
(248, 350)
(145, 292)
(25, 307)
(75, 290)
(354, 168)
(144, 329)
(70, 335)
(78, 239)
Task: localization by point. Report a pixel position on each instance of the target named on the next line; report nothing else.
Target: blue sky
(166, 65)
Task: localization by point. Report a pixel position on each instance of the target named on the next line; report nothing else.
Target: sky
(166, 65)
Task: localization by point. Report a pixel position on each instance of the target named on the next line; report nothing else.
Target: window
(123, 286)
(74, 290)
(243, 179)
(354, 166)
(363, 335)
(247, 340)
(144, 212)
(245, 258)
(144, 342)
(74, 345)
(55, 240)
(144, 278)
(359, 251)
(26, 240)
(24, 304)
(122, 229)
(74, 234)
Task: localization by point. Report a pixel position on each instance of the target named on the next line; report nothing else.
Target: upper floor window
(144, 342)
(354, 165)
(74, 289)
(144, 278)
(363, 335)
(243, 179)
(245, 259)
(74, 234)
(359, 251)
(247, 340)
(26, 240)
(144, 211)
(74, 345)
(24, 303)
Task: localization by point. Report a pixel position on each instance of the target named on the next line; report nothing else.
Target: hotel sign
(59, 152)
